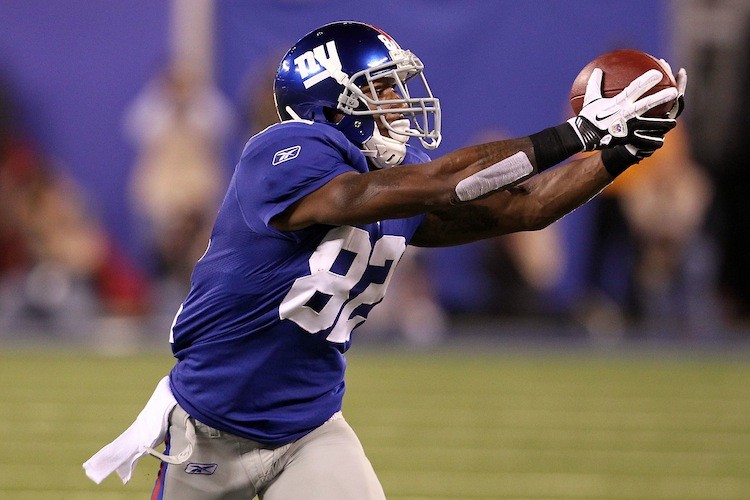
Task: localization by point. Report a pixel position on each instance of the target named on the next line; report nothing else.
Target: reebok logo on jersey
(205, 469)
(286, 154)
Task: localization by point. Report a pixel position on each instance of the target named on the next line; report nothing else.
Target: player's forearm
(415, 189)
(483, 169)
(533, 205)
(549, 196)
(466, 161)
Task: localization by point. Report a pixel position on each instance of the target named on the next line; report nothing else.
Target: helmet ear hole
(356, 128)
(332, 115)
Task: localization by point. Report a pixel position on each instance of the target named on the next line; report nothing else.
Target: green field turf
(436, 425)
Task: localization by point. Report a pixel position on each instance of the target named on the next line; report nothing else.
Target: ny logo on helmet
(324, 57)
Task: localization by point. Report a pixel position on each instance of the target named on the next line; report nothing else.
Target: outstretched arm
(354, 198)
(483, 172)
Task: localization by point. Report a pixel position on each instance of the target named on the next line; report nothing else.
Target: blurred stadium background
(605, 357)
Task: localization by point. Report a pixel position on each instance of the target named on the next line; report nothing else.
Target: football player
(319, 211)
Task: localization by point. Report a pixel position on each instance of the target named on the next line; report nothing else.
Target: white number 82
(339, 306)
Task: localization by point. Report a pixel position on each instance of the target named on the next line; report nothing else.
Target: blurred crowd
(58, 264)
(178, 125)
(666, 254)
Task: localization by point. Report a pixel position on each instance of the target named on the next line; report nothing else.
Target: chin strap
(386, 152)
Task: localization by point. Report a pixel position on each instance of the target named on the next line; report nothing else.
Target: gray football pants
(328, 463)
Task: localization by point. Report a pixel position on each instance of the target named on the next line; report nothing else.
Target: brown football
(621, 67)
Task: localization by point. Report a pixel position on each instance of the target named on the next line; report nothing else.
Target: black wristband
(555, 144)
(616, 160)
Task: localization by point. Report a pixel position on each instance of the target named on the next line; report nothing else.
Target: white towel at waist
(148, 430)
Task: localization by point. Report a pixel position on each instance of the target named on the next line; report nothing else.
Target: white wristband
(494, 177)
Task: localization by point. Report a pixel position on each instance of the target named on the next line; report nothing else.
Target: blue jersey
(261, 336)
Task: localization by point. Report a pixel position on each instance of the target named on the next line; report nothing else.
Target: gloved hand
(681, 80)
(649, 132)
(648, 136)
(604, 121)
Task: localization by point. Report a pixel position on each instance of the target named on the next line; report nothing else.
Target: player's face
(386, 90)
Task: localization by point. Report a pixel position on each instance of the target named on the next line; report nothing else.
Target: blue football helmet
(337, 68)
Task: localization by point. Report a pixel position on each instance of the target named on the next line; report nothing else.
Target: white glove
(649, 133)
(603, 121)
(681, 80)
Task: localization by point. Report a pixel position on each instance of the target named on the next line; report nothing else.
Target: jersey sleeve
(283, 165)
